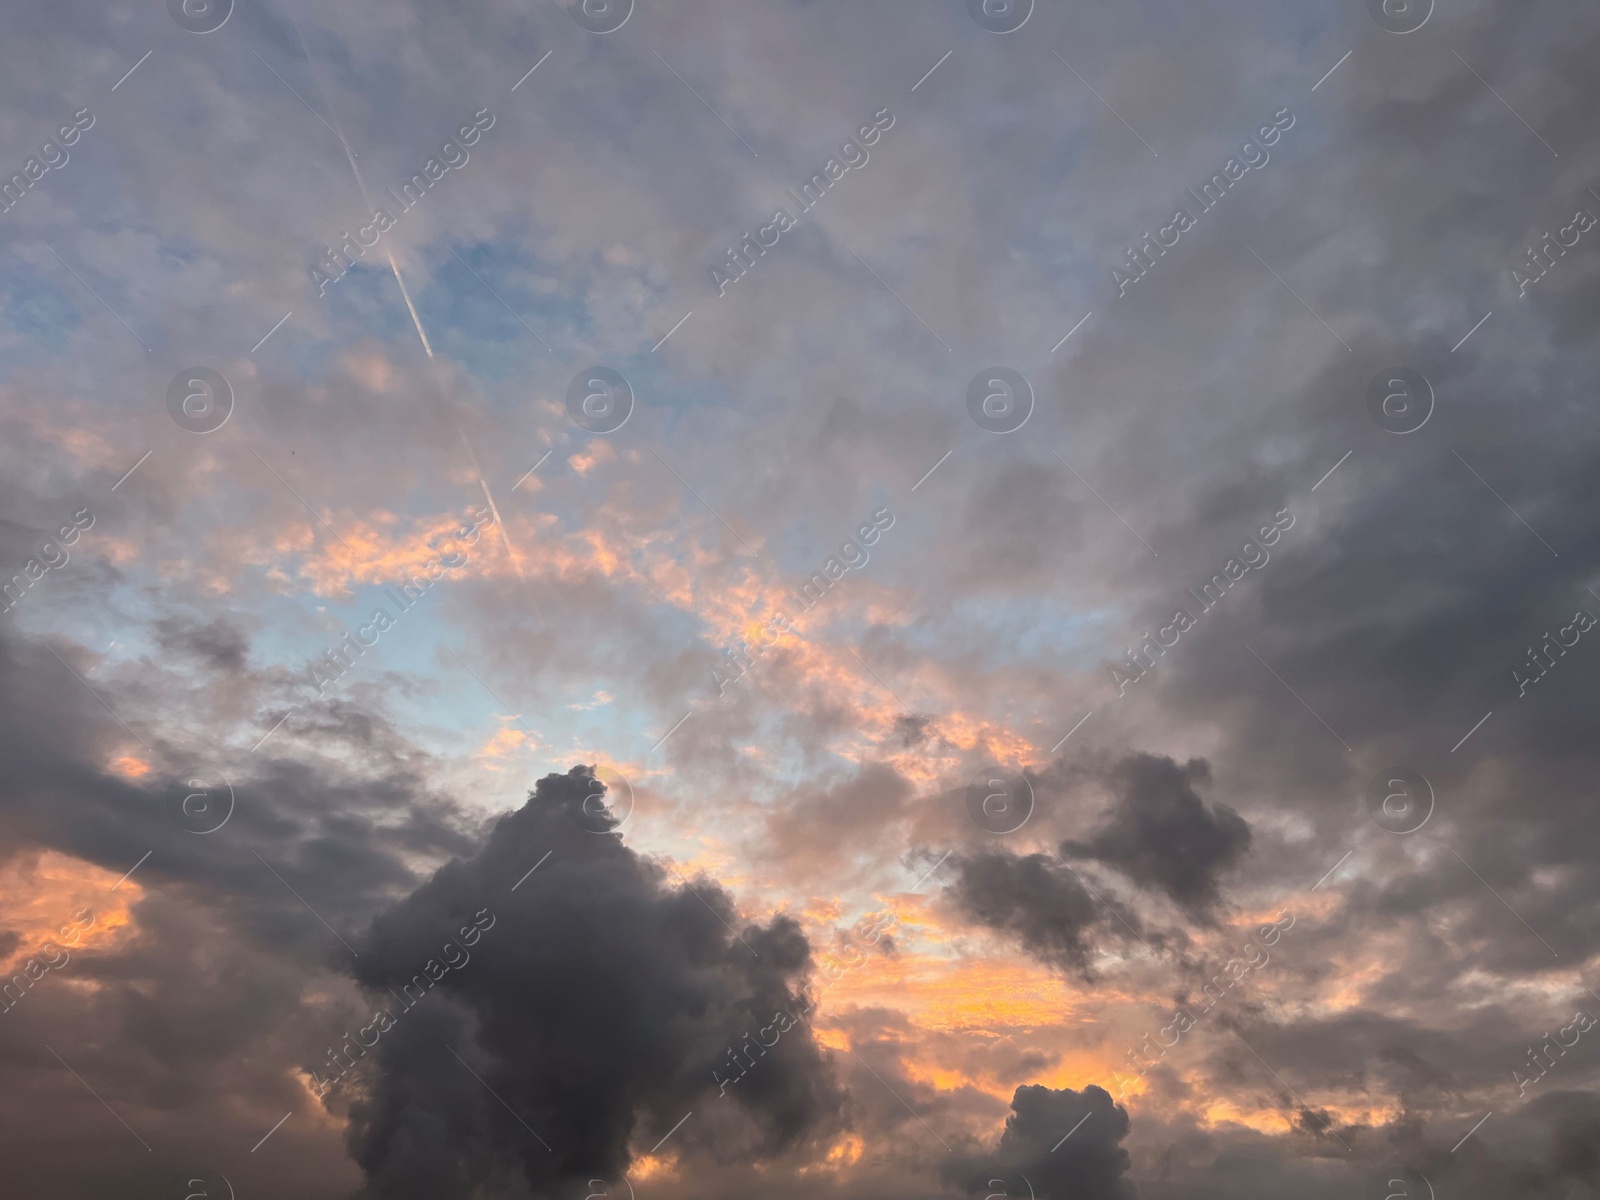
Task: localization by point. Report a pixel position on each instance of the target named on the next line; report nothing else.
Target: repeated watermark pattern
(1540, 661)
(455, 955)
(862, 938)
(1254, 155)
(337, 660)
(335, 262)
(854, 555)
(52, 156)
(853, 156)
(54, 553)
(1542, 260)
(1147, 1053)
(1541, 1059)
(1004, 195)
(52, 956)
(1253, 556)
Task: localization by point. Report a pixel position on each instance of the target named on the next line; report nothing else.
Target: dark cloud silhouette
(1040, 902)
(1057, 1145)
(1159, 833)
(1546, 1149)
(1162, 835)
(1575, 1140)
(597, 1004)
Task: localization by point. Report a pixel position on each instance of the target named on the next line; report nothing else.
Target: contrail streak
(416, 319)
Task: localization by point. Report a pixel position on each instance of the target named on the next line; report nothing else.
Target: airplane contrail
(416, 319)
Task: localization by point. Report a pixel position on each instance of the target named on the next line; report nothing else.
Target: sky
(882, 601)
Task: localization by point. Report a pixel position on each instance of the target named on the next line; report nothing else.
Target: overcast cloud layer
(897, 600)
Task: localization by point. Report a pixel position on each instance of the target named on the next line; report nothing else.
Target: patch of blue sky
(1021, 632)
(101, 629)
(498, 294)
(41, 317)
(560, 709)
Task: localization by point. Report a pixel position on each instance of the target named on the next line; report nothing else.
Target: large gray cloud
(1041, 903)
(1162, 836)
(1057, 1144)
(598, 1004)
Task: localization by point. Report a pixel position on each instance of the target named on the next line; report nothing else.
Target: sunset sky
(971, 599)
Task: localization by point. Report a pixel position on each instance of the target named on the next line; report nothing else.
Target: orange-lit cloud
(42, 893)
(505, 742)
(130, 767)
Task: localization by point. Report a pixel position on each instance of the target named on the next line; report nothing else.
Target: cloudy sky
(983, 599)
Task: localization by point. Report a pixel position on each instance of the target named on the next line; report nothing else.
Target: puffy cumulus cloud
(1163, 836)
(597, 1005)
(1057, 1145)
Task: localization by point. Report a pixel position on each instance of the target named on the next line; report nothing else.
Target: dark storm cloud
(1159, 833)
(1057, 1145)
(1042, 904)
(599, 1004)
(1545, 1150)
(1162, 835)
